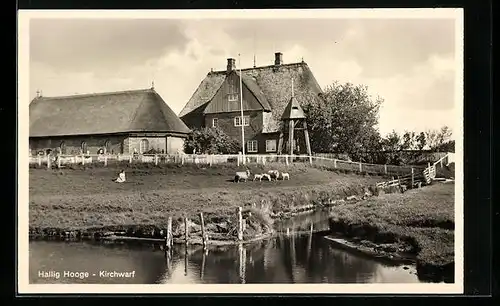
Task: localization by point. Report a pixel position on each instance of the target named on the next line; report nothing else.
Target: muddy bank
(396, 244)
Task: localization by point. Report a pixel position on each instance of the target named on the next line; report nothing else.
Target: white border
(23, 126)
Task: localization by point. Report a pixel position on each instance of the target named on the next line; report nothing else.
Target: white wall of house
(175, 145)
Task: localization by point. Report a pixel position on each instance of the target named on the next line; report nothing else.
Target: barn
(114, 122)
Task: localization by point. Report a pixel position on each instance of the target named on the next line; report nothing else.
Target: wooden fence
(61, 161)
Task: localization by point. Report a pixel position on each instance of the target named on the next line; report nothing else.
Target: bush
(211, 141)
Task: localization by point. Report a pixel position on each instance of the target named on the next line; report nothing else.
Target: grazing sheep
(265, 175)
(241, 176)
(257, 176)
(285, 175)
(274, 174)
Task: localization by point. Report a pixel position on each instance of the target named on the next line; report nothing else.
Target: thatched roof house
(121, 122)
(267, 90)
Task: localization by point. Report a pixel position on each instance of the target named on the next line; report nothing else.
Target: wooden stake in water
(168, 237)
(204, 235)
(240, 224)
(186, 231)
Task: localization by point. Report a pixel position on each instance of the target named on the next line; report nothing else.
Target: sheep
(242, 176)
(285, 175)
(274, 174)
(257, 176)
(265, 175)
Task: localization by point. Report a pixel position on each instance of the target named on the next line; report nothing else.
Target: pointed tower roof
(293, 109)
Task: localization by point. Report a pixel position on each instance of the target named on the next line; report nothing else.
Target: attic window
(295, 107)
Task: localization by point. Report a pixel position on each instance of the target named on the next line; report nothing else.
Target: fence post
(240, 224)
(130, 158)
(412, 177)
(186, 231)
(360, 167)
(264, 160)
(105, 160)
(59, 162)
(211, 159)
(182, 159)
(310, 160)
(204, 236)
(39, 157)
(156, 159)
(48, 161)
(286, 159)
(334, 163)
(238, 160)
(385, 168)
(83, 159)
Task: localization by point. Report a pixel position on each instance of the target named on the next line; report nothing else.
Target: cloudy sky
(408, 62)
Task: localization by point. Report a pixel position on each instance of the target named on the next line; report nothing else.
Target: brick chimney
(278, 58)
(231, 64)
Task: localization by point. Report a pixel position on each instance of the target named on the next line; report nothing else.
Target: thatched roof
(271, 83)
(103, 113)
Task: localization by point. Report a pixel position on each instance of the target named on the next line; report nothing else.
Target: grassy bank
(419, 222)
(86, 200)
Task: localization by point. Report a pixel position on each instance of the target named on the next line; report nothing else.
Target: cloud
(80, 44)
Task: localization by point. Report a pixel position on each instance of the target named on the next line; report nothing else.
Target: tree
(421, 141)
(436, 138)
(211, 140)
(344, 120)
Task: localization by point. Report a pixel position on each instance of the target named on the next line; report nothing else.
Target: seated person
(121, 177)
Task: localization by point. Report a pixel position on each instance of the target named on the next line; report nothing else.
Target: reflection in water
(297, 258)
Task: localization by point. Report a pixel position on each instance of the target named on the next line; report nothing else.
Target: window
(232, 97)
(84, 147)
(143, 146)
(252, 146)
(271, 145)
(215, 122)
(237, 121)
(107, 146)
(62, 147)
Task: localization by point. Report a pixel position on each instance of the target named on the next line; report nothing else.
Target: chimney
(231, 64)
(278, 58)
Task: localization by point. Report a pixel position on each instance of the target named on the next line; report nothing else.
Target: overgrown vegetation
(211, 140)
(419, 221)
(345, 120)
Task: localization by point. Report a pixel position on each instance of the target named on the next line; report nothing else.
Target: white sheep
(274, 174)
(285, 175)
(242, 176)
(265, 175)
(257, 177)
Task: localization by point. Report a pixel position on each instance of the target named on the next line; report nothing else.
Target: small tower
(293, 119)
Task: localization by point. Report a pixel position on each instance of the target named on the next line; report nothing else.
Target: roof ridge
(96, 94)
(260, 67)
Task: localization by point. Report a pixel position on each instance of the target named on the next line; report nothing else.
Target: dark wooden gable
(227, 98)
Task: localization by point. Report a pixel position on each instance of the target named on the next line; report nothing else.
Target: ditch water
(295, 255)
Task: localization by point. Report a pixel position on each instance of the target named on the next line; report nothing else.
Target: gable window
(84, 147)
(215, 122)
(143, 146)
(252, 146)
(271, 145)
(232, 97)
(237, 121)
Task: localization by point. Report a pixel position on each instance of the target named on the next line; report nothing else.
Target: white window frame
(141, 149)
(268, 141)
(215, 122)
(246, 121)
(232, 97)
(250, 148)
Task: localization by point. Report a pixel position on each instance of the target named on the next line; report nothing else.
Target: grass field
(73, 199)
(422, 219)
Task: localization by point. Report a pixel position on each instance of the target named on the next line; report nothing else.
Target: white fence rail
(62, 161)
